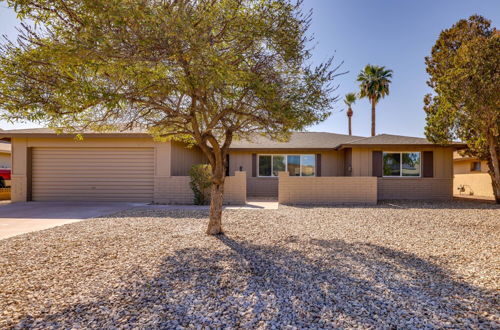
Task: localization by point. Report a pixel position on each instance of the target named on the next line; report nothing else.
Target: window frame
(401, 164)
(286, 165)
(473, 168)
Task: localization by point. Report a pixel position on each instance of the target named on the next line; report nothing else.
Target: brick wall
(176, 190)
(327, 190)
(262, 187)
(235, 189)
(415, 188)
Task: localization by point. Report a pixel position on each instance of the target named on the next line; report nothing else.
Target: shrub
(200, 183)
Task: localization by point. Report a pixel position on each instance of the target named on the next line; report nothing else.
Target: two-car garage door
(92, 174)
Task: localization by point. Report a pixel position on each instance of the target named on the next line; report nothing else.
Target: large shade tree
(374, 85)
(464, 69)
(199, 71)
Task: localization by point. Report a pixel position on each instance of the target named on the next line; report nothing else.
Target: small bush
(200, 183)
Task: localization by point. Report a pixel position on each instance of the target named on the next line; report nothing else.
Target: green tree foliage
(200, 182)
(199, 71)
(464, 69)
(374, 85)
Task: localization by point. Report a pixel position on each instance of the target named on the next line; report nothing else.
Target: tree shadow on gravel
(301, 283)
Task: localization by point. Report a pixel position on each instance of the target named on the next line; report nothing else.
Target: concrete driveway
(20, 218)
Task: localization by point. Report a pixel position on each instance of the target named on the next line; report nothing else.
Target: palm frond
(350, 99)
(374, 82)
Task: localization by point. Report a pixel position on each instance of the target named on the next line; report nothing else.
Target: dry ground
(404, 264)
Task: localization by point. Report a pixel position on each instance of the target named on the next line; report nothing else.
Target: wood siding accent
(93, 174)
(29, 174)
(348, 162)
(428, 164)
(184, 158)
(254, 165)
(377, 163)
(318, 164)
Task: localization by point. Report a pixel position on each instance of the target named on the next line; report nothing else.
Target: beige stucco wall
(475, 184)
(5, 161)
(463, 166)
(327, 190)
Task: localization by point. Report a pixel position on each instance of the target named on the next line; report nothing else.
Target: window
(399, 164)
(308, 164)
(279, 164)
(295, 165)
(475, 166)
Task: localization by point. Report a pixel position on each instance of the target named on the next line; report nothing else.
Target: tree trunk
(217, 198)
(373, 117)
(494, 166)
(350, 128)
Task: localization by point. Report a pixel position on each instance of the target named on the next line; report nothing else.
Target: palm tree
(349, 100)
(374, 85)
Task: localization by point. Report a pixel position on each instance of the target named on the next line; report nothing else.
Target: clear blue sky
(395, 33)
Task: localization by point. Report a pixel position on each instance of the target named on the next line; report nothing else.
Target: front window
(295, 165)
(397, 164)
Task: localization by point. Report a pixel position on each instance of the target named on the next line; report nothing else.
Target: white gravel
(399, 264)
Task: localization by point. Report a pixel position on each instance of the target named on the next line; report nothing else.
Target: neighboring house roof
(298, 140)
(5, 148)
(458, 158)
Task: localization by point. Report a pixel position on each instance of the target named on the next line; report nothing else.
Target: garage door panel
(93, 174)
(104, 180)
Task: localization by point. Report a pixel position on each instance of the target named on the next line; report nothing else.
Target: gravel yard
(402, 264)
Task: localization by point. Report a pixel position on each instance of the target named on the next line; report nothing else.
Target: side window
(475, 167)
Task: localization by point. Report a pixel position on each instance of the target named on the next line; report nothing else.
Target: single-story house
(312, 167)
(471, 177)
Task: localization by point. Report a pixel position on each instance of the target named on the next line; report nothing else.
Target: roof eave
(282, 148)
(423, 145)
(6, 135)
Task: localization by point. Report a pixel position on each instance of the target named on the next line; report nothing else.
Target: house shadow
(240, 284)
